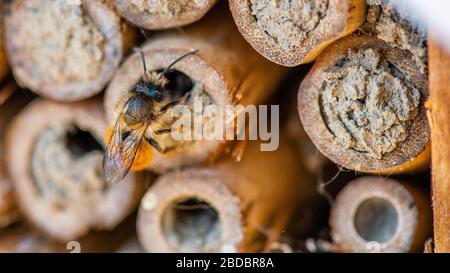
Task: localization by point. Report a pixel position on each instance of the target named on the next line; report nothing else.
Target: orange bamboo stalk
(439, 115)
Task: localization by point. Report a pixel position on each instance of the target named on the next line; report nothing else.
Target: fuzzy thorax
(156, 78)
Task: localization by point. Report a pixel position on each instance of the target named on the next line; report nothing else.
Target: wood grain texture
(439, 114)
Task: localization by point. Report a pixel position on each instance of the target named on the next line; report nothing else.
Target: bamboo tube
(312, 159)
(25, 239)
(4, 68)
(22, 239)
(438, 114)
(72, 53)
(397, 27)
(54, 156)
(227, 207)
(11, 101)
(132, 245)
(373, 214)
(154, 15)
(362, 105)
(225, 71)
(290, 33)
(304, 222)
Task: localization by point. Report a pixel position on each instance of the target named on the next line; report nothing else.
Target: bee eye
(140, 88)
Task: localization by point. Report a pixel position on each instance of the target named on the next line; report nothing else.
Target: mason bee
(142, 109)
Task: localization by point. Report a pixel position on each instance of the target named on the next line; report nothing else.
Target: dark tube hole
(192, 225)
(179, 83)
(81, 142)
(376, 220)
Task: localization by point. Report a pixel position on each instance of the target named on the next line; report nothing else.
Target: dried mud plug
(65, 52)
(290, 33)
(362, 105)
(154, 15)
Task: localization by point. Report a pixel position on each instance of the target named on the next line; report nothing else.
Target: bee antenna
(142, 58)
(179, 59)
(144, 34)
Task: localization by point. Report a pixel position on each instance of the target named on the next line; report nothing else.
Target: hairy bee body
(139, 110)
(142, 115)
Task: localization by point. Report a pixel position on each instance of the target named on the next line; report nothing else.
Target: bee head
(153, 91)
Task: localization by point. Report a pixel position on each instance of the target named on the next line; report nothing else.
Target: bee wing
(120, 152)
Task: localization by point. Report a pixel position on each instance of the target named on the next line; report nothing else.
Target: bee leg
(158, 147)
(163, 131)
(183, 99)
(166, 150)
(168, 105)
(186, 97)
(155, 145)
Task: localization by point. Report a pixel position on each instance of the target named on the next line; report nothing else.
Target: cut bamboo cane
(290, 33)
(373, 214)
(154, 15)
(4, 68)
(225, 71)
(22, 239)
(54, 158)
(132, 245)
(25, 239)
(72, 53)
(362, 104)
(312, 159)
(227, 207)
(304, 222)
(11, 101)
(438, 114)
